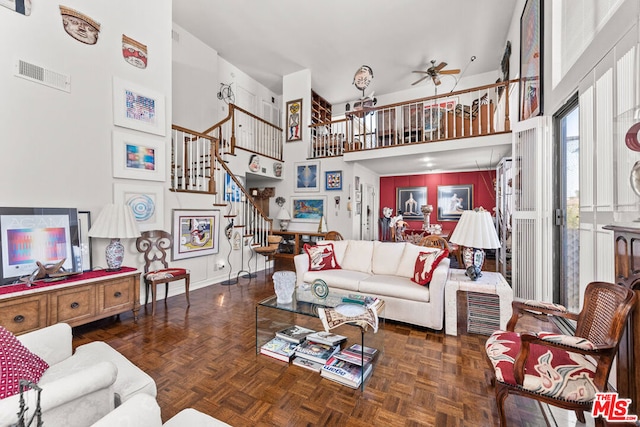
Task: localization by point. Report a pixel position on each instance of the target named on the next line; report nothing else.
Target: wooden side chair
(155, 245)
(433, 241)
(562, 370)
(333, 235)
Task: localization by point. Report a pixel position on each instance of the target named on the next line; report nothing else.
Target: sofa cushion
(321, 257)
(340, 279)
(394, 286)
(358, 256)
(339, 248)
(407, 263)
(17, 363)
(426, 263)
(386, 257)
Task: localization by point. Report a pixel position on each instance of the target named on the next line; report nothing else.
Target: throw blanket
(332, 317)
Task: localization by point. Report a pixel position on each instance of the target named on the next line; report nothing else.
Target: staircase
(198, 166)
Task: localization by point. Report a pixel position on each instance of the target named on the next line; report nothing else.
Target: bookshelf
(320, 109)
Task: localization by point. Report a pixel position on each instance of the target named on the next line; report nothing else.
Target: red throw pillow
(321, 257)
(17, 363)
(426, 263)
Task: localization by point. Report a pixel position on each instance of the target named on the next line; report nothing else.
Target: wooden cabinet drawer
(24, 314)
(73, 306)
(116, 295)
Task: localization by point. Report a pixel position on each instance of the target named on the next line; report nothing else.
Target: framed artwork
(452, 200)
(195, 233)
(308, 209)
(294, 120)
(433, 114)
(138, 157)
(146, 201)
(333, 180)
(409, 200)
(139, 108)
(307, 176)
(531, 49)
(232, 192)
(84, 224)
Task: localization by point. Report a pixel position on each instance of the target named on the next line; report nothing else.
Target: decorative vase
(284, 283)
(114, 253)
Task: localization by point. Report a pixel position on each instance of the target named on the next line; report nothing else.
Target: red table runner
(7, 289)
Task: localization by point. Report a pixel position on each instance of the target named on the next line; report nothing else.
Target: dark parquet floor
(204, 357)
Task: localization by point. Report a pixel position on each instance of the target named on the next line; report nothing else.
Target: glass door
(567, 212)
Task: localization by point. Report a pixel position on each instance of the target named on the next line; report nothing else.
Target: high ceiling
(268, 39)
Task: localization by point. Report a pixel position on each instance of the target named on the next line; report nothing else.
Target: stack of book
(283, 345)
(347, 366)
(313, 355)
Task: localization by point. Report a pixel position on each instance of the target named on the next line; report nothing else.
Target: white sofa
(78, 388)
(383, 270)
(142, 410)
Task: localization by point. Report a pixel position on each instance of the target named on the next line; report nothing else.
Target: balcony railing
(466, 113)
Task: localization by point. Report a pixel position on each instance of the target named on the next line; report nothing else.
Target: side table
(489, 283)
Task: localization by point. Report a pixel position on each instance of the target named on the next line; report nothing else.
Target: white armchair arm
(53, 343)
(141, 410)
(74, 400)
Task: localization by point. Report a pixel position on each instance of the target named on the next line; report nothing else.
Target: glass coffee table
(272, 316)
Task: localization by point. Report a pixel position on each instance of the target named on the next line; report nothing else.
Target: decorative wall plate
(634, 178)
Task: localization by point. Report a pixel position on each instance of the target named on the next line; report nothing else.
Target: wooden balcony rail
(466, 113)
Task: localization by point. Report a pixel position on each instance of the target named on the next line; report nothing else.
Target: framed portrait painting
(409, 200)
(138, 157)
(139, 108)
(195, 233)
(294, 120)
(531, 51)
(452, 200)
(308, 209)
(307, 176)
(333, 180)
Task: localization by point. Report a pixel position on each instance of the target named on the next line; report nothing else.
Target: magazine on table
(315, 351)
(354, 354)
(307, 364)
(294, 333)
(324, 337)
(344, 372)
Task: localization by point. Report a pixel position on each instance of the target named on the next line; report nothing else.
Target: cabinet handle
(19, 318)
(75, 305)
(117, 294)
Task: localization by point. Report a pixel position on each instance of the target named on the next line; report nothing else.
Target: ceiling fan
(434, 72)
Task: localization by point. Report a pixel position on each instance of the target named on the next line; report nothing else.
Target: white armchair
(76, 399)
(78, 388)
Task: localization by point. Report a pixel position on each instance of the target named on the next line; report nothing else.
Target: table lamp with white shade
(475, 232)
(115, 222)
(284, 217)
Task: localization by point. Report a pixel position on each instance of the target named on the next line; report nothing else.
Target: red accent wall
(483, 191)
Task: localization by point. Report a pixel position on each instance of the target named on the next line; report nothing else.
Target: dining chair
(155, 245)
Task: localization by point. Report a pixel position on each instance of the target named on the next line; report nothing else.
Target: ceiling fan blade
(455, 71)
(419, 80)
(441, 66)
(423, 72)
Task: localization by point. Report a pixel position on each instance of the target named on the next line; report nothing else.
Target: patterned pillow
(548, 371)
(426, 263)
(321, 257)
(17, 363)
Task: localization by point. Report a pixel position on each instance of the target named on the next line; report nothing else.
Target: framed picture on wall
(307, 176)
(452, 200)
(138, 157)
(309, 209)
(294, 120)
(139, 108)
(531, 50)
(333, 180)
(146, 202)
(195, 233)
(409, 200)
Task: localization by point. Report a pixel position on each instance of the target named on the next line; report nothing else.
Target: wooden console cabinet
(76, 302)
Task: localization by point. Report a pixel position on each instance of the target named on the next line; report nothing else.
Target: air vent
(43, 76)
(175, 35)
